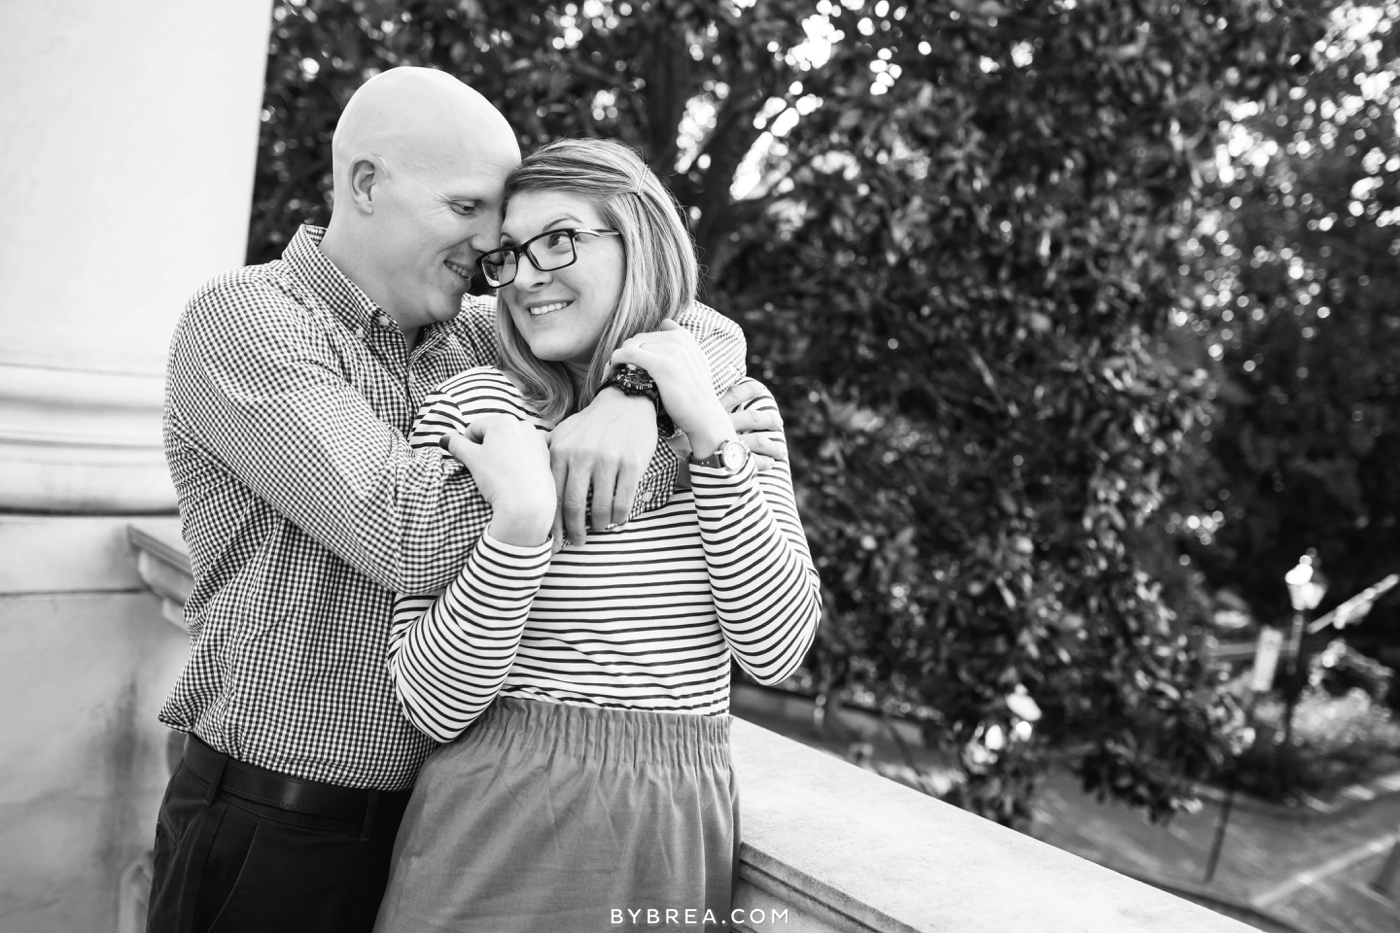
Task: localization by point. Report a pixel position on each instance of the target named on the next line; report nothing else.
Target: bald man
(291, 389)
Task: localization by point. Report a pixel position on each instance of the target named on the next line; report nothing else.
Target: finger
(761, 463)
(458, 446)
(756, 419)
(636, 355)
(557, 534)
(575, 501)
(765, 445)
(604, 482)
(627, 481)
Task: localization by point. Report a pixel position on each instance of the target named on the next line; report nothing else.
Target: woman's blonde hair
(660, 273)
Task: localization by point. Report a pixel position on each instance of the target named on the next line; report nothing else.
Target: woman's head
(634, 266)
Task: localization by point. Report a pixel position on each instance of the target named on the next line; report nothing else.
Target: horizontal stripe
(644, 617)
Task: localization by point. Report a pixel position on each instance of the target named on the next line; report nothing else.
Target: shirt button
(359, 331)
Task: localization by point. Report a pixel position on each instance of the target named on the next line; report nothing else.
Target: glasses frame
(524, 250)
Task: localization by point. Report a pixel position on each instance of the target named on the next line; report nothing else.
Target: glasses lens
(552, 250)
(499, 267)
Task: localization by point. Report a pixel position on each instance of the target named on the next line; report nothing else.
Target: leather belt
(275, 789)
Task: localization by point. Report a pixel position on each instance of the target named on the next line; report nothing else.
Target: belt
(275, 789)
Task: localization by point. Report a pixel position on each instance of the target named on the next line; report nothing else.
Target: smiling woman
(582, 688)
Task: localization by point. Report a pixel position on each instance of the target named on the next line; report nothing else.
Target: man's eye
(463, 209)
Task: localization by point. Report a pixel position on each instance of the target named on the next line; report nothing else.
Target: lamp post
(1306, 587)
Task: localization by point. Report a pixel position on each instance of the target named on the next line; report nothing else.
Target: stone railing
(831, 848)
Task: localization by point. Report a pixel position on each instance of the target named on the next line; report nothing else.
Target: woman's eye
(557, 239)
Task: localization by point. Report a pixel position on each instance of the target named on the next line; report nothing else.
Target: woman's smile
(538, 308)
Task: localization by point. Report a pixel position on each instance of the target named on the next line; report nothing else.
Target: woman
(594, 782)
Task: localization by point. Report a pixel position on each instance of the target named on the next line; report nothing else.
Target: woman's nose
(527, 275)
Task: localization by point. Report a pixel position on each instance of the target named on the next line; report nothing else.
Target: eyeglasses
(553, 249)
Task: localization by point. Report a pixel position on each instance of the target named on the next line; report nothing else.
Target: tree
(1299, 241)
(952, 230)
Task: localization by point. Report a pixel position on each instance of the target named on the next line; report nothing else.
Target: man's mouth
(537, 310)
(464, 271)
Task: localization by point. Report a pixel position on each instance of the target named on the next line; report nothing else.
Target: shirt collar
(346, 299)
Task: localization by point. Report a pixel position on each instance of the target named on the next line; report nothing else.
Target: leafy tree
(953, 230)
(1298, 242)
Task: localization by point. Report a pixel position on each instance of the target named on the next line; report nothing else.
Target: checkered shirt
(289, 398)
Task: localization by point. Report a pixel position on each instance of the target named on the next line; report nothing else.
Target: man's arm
(256, 387)
(607, 447)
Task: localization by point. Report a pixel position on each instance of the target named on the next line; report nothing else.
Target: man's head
(420, 162)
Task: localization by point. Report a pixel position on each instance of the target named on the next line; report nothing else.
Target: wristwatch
(633, 380)
(730, 456)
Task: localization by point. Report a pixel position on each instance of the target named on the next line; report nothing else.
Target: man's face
(433, 218)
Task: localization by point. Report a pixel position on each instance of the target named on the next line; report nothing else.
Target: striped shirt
(646, 617)
(289, 399)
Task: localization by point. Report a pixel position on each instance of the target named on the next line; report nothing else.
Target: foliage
(1297, 243)
(953, 232)
(1337, 741)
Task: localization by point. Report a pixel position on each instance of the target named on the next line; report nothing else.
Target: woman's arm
(766, 590)
(449, 653)
(767, 595)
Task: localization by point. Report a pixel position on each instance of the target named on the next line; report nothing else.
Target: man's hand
(509, 460)
(606, 447)
(760, 429)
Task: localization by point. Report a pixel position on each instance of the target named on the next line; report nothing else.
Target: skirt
(546, 817)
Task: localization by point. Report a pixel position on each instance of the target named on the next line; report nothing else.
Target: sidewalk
(1313, 875)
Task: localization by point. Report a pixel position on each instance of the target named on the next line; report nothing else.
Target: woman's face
(562, 313)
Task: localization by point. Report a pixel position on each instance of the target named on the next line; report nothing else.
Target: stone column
(128, 134)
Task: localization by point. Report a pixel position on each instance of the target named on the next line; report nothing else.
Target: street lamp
(1306, 587)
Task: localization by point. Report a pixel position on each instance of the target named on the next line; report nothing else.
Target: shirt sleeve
(766, 590)
(722, 342)
(255, 386)
(450, 652)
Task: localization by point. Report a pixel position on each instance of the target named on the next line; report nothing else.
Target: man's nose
(487, 234)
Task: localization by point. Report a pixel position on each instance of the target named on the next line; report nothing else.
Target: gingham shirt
(288, 400)
(646, 617)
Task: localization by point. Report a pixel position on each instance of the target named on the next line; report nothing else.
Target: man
(291, 389)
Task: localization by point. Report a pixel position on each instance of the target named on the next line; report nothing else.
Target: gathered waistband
(605, 737)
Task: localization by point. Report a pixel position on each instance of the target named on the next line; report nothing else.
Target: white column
(128, 134)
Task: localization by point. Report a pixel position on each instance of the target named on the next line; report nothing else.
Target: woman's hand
(673, 358)
(509, 460)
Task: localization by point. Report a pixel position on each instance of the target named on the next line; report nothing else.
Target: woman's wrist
(525, 526)
(706, 439)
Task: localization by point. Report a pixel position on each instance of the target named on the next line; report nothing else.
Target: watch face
(733, 454)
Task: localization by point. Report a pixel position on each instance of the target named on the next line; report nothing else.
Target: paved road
(1315, 875)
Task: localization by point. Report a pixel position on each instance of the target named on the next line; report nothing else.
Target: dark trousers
(223, 863)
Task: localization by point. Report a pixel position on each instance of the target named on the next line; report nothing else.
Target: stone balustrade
(832, 848)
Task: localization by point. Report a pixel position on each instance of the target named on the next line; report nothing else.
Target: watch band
(731, 455)
(631, 379)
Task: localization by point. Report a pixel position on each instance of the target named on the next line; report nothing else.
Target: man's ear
(364, 175)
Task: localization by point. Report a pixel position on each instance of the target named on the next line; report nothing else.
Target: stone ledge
(858, 852)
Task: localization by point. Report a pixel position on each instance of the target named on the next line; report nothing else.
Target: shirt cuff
(718, 480)
(514, 556)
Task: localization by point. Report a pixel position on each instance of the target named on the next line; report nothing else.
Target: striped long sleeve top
(646, 617)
